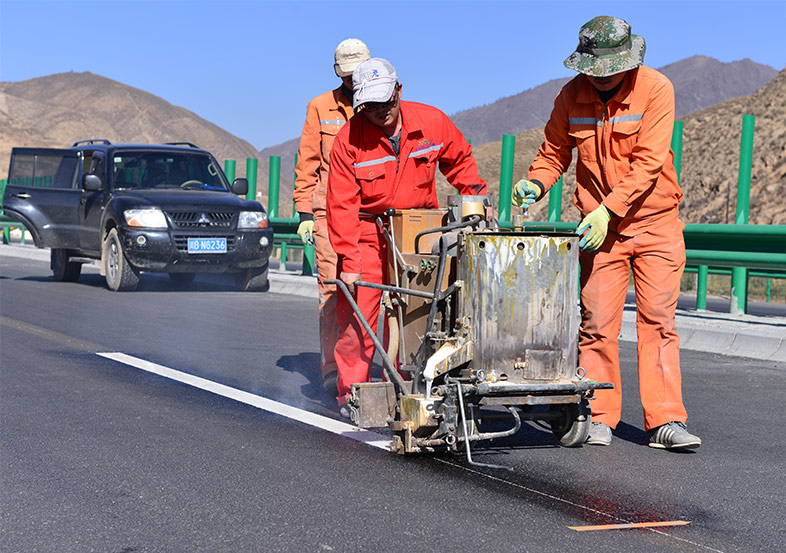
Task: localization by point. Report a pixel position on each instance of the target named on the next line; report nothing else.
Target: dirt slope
(57, 110)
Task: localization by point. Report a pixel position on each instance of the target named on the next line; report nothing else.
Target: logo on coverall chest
(423, 144)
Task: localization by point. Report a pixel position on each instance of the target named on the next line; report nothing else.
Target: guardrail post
(506, 176)
(294, 186)
(555, 202)
(229, 169)
(308, 249)
(739, 275)
(308, 259)
(676, 147)
(273, 184)
(284, 256)
(769, 289)
(251, 176)
(6, 232)
(701, 288)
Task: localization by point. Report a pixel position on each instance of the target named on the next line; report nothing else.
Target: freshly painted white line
(325, 423)
(331, 425)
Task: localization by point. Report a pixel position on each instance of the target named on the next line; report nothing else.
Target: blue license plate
(207, 245)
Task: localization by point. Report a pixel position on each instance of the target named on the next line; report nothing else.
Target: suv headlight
(151, 217)
(252, 220)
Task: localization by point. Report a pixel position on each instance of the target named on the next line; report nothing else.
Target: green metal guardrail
(740, 246)
(6, 222)
(745, 250)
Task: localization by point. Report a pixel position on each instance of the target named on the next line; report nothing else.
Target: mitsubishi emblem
(203, 219)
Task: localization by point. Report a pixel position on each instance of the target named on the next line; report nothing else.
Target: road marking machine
(485, 320)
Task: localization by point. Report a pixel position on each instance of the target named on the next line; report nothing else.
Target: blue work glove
(305, 230)
(598, 223)
(525, 193)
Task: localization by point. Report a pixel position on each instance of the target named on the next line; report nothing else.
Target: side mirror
(92, 183)
(240, 187)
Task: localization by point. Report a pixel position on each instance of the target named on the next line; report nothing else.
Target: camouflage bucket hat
(606, 47)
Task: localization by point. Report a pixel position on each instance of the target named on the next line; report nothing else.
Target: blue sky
(251, 66)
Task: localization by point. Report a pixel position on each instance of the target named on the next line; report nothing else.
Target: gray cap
(373, 80)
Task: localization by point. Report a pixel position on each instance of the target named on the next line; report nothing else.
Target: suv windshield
(167, 170)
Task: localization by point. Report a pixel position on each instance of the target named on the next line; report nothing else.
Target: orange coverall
(366, 175)
(626, 164)
(325, 115)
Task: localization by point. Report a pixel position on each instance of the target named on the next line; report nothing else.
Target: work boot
(343, 410)
(330, 384)
(673, 435)
(599, 434)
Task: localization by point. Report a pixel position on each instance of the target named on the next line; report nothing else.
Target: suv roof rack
(183, 144)
(92, 141)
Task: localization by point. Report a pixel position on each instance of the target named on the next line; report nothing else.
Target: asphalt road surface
(97, 455)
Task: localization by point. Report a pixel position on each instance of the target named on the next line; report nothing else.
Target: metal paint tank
(520, 295)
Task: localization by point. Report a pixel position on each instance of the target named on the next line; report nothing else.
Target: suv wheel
(252, 280)
(119, 274)
(63, 269)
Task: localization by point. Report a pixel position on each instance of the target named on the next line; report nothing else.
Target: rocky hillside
(699, 82)
(710, 162)
(57, 110)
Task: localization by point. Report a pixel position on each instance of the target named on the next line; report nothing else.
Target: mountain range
(699, 82)
(51, 111)
(57, 110)
(710, 161)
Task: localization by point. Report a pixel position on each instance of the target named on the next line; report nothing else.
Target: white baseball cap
(374, 80)
(349, 53)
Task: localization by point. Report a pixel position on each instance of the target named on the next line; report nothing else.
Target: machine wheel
(120, 275)
(572, 428)
(182, 278)
(63, 269)
(252, 280)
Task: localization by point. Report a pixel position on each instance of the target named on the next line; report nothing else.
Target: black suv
(138, 207)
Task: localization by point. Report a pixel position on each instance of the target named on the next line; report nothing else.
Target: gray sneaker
(673, 435)
(599, 434)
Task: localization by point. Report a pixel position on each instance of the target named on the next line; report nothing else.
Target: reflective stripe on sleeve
(332, 121)
(375, 162)
(584, 121)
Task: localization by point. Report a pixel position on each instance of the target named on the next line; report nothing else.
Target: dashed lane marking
(325, 423)
(574, 504)
(51, 335)
(630, 525)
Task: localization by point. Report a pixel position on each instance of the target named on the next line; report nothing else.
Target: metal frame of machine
(485, 321)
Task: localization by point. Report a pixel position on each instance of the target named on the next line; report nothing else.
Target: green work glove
(305, 230)
(598, 223)
(525, 192)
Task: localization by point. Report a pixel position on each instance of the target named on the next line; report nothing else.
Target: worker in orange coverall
(325, 115)
(384, 157)
(619, 114)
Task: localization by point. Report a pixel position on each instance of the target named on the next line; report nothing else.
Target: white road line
(331, 425)
(325, 423)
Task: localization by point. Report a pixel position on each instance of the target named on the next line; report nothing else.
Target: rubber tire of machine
(120, 275)
(252, 280)
(572, 430)
(63, 269)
